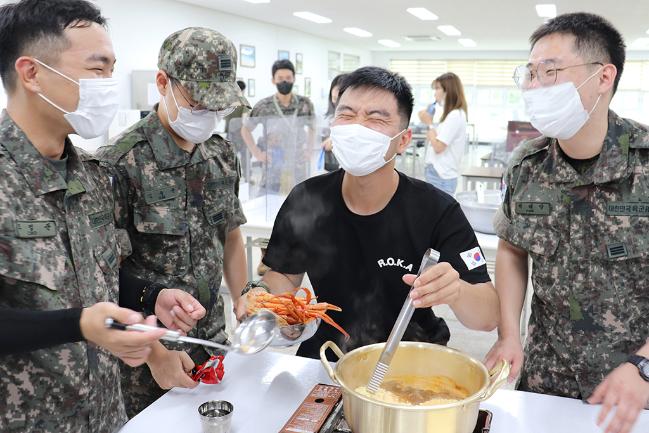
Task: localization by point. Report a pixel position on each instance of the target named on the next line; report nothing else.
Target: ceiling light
(314, 18)
(640, 44)
(449, 30)
(422, 38)
(257, 1)
(358, 32)
(422, 13)
(389, 43)
(546, 10)
(467, 42)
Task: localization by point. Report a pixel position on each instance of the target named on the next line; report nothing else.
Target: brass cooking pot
(412, 358)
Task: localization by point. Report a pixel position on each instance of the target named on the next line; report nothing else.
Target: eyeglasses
(545, 73)
(193, 107)
(226, 111)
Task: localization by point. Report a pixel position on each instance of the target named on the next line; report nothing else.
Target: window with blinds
(496, 73)
(471, 72)
(351, 62)
(333, 64)
(635, 76)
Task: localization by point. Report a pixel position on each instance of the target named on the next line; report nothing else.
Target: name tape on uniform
(627, 209)
(473, 258)
(35, 229)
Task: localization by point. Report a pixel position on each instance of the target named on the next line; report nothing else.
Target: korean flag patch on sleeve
(473, 258)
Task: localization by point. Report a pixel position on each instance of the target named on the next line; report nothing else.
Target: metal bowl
(480, 209)
(291, 335)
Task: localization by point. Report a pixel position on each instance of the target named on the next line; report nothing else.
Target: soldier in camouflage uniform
(59, 246)
(287, 138)
(288, 132)
(180, 190)
(577, 202)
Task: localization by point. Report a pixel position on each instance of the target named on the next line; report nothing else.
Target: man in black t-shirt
(360, 233)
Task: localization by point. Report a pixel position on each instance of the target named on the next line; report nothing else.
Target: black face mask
(284, 87)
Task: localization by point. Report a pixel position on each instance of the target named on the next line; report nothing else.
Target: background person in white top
(449, 139)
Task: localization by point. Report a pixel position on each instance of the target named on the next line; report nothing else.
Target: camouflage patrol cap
(205, 63)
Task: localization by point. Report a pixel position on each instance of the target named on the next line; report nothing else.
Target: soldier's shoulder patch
(218, 139)
(529, 148)
(638, 134)
(265, 102)
(120, 146)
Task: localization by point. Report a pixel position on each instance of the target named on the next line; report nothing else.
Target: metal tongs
(430, 258)
(253, 334)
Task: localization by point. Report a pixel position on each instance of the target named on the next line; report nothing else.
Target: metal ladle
(253, 335)
(430, 258)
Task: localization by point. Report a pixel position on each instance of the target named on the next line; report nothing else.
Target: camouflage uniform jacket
(588, 237)
(178, 208)
(58, 249)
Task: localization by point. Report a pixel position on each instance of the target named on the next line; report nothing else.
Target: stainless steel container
(365, 415)
(216, 416)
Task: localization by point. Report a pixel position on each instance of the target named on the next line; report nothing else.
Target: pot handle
(497, 376)
(323, 358)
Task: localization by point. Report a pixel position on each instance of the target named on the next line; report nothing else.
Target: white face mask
(557, 111)
(195, 127)
(98, 104)
(360, 150)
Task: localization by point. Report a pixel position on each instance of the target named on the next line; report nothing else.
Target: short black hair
(331, 108)
(379, 78)
(28, 23)
(283, 64)
(596, 40)
(241, 84)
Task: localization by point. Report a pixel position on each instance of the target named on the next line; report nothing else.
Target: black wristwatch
(253, 284)
(150, 296)
(643, 365)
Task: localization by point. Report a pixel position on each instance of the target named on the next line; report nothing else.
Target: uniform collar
(165, 150)
(41, 176)
(612, 164)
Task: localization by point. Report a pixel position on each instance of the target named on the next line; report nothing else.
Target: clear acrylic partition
(293, 146)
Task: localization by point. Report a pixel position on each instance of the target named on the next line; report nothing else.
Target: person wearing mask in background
(284, 147)
(379, 223)
(179, 184)
(59, 246)
(330, 163)
(576, 203)
(448, 140)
